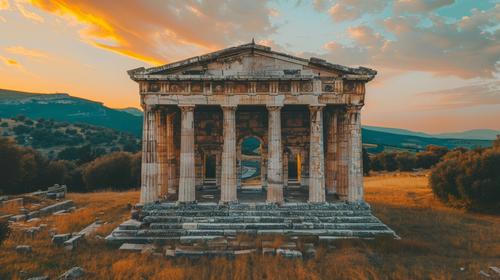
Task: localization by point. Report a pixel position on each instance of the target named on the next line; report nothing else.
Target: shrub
(405, 161)
(4, 230)
(110, 171)
(470, 178)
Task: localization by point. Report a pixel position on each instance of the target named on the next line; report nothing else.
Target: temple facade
(248, 118)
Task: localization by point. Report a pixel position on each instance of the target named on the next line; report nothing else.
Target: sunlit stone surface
(252, 127)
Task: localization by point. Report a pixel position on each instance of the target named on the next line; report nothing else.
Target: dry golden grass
(436, 242)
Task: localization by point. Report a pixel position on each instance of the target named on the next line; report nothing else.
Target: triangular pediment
(251, 59)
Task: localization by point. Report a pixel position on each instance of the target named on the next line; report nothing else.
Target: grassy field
(437, 243)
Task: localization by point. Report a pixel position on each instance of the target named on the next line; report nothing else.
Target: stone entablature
(304, 113)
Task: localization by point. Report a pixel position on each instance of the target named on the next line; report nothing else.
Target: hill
(51, 137)
(377, 141)
(66, 108)
(474, 134)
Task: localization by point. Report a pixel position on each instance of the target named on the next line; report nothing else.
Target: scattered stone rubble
(74, 273)
(23, 249)
(57, 191)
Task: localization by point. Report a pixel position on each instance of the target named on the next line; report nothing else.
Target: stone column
(332, 153)
(187, 191)
(316, 156)
(161, 152)
(343, 155)
(171, 158)
(149, 165)
(355, 169)
(228, 176)
(274, 163)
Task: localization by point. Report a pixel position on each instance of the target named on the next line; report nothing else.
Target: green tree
(405, 161)
(366, 163)
(470, 178)
(110, 171)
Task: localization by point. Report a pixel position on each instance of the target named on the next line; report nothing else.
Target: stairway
(164, 222)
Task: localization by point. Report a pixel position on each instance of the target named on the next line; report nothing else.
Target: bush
(111, 171)
(405, 161)
(430, 156)
(4, 230)
(469, 178)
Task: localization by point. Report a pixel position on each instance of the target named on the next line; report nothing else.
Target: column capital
(274, 107)
(229, 107)
(353, 108)
(187, 107)
(315, 107)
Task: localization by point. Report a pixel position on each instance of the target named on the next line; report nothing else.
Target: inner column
(171, 158)
(228, 176)
(187, 189)
(316, 156)
(275, 163)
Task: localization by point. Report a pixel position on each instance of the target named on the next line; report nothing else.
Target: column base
(223, 203)
(186, 203)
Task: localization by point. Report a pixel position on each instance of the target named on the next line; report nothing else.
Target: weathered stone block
(23, 249)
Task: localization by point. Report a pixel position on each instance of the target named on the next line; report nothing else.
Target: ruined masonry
(250, 140)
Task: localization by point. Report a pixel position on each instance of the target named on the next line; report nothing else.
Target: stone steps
(260, 219)
(265, 213)
(205, 221)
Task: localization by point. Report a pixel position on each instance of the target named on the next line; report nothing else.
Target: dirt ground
(437, 242)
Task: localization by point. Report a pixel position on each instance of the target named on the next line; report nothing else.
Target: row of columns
(344, 176)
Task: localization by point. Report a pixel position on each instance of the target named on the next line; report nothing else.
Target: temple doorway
(294, 176)
(251, 163)
(210, 169)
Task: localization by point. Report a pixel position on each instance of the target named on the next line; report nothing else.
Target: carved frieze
(306, 86)
(262, 87)
(154, 87)
(349, 86)
(177, 87)
(218, 87)
(240, 87)
(196, 87)
(284, 87)
(328, 87)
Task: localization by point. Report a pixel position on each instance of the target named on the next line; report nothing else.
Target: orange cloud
(19, 50)
(156, 32)
(20, 5)
(10, 62)
(4, 5)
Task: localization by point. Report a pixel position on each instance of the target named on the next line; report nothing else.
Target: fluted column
(228, 176)
(171, 158)
(343, 155)
(316, 156)
(274, 163)
(355, 169)
(187, 189)
(149, 165)
(161, 152)
(332, 152)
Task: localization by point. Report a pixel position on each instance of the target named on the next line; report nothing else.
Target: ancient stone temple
(245, 129)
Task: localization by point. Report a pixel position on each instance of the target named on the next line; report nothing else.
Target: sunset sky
(438, 60)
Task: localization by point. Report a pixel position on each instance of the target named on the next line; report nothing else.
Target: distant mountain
(484, 134)
(475, 134)
(132, 111)
(64, 107)
(376, 141)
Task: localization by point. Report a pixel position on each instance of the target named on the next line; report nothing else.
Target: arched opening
(251, 162)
